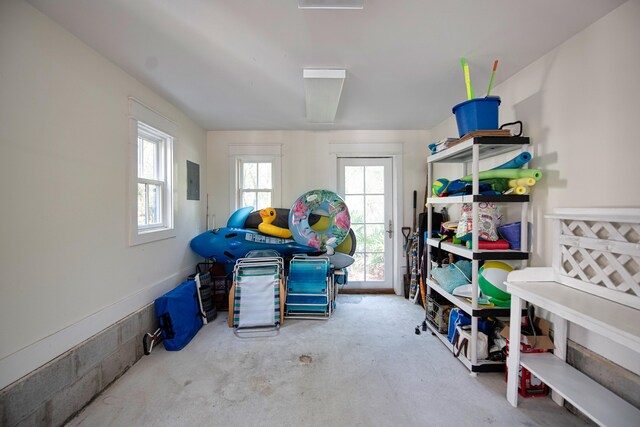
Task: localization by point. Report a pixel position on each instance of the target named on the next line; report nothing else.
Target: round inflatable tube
(348, 245)
(522, 182)
(318, 223)
(339, 220)
(516, 162)
(506, 173)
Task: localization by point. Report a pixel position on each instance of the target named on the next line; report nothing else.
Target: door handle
(390, 230)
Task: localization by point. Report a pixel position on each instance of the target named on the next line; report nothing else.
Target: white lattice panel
(601, 253)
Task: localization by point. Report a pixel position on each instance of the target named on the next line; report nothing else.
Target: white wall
(307, 163)
(580, 106)
(66, 266)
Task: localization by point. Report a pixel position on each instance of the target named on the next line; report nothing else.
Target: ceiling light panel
(330, 4)
(323, 88)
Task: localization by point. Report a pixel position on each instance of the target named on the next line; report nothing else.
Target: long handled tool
(493, 73)
(412, 252)
(415, 206)
(467, 78)
(406, 232)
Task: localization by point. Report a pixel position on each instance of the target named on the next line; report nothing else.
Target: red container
(528, 384)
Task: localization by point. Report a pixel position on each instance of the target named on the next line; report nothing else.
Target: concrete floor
(363, 367)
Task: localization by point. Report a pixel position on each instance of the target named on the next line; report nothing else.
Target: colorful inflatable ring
(339, 220)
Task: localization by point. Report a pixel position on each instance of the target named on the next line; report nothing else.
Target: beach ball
(491, 277)
(439, 186)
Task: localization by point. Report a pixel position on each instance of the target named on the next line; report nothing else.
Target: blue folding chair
(309, 288)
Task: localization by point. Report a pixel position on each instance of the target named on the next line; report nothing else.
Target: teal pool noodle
(506, 173)
(516, 162)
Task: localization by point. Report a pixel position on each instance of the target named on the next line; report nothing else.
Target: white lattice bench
(595, 283)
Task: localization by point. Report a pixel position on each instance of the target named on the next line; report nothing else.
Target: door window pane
(374, 209)
(375, 266)
(375, 238)
(358, 230)
(374, 180)
(356, 208)
(356, 270)
(353, 180)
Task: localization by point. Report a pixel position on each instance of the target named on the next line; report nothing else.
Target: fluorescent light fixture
(330, 4)
(322, 93)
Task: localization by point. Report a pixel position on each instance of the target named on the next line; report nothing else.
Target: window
(255, 176)
(152, 172)
(255, 184)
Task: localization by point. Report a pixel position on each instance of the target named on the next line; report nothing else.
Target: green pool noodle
(506, 173)
(497, 184)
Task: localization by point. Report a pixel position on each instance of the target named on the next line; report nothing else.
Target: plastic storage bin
(477, 114)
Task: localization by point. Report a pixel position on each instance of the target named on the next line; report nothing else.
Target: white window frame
(145, 121)
(255, 154)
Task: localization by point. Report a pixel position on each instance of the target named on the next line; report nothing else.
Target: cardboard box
(542, 342)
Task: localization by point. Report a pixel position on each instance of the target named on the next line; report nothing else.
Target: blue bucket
(477, 114)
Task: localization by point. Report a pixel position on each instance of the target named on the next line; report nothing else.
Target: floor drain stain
(306, 359)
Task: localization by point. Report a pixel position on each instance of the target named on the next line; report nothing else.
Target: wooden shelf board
(494, 198)
(466, 306)
(481, 366)
(489, 146)
(482, 254)
(594, 400)
(618, 322)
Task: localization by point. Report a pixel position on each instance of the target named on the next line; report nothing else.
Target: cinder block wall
(620, 381)
(52, 394)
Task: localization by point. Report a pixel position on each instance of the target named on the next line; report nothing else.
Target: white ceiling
(237, 64)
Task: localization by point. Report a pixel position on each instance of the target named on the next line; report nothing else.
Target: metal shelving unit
(469, 153)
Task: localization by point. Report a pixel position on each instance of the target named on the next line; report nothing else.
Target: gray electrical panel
(193, 181)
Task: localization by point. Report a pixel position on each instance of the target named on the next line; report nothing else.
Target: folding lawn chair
(256, 296)
(309, 288)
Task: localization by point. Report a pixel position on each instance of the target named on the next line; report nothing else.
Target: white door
(366, 186)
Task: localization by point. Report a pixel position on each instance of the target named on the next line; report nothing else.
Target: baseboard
(368, 291)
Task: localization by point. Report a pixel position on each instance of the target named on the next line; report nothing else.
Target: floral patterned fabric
(339, 219)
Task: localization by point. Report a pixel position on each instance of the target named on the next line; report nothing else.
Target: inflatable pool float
(281, 220)
(339, 220)
(268, 215)
(228, 244)
(239, 217)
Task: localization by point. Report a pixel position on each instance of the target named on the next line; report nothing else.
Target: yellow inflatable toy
(268, 215)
